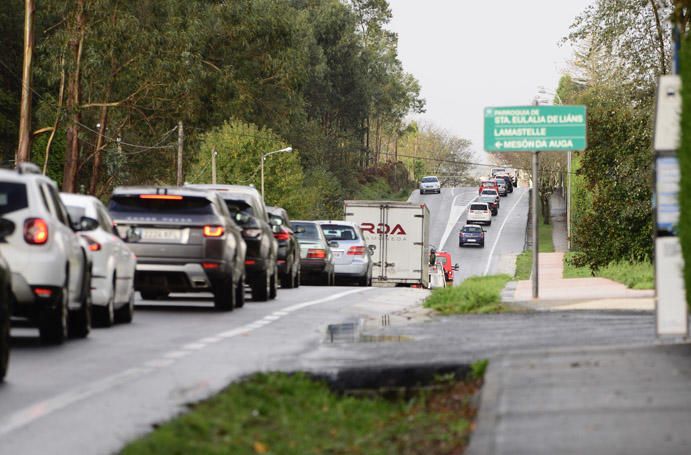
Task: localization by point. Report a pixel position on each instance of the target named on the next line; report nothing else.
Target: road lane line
(43, 408)
(450, 225)
(496, 240)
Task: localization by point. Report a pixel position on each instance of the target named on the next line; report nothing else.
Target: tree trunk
(58, 114)
(69, 179)
(100, 144)
(546, 210)
(24, 148)
(660, 38)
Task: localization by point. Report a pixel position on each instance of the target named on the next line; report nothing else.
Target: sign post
(671, 312)
(554, 128)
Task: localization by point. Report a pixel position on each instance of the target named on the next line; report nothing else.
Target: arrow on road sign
(498, 144)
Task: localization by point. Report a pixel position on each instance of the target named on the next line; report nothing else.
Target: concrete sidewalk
(558, 293)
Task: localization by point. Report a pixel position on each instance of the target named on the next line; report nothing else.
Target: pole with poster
(671, 311)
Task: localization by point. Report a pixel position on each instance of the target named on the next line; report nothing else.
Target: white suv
(430, 184)
(50, 272)
(112, 275)
(479, 213)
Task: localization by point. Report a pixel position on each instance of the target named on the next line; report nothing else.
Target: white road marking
(454, 216)
(496, 240)
(41, 409)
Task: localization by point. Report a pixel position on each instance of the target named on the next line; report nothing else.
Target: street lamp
(542, 91)
(285, 150)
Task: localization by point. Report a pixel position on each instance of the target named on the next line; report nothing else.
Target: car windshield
(339, 232)
(310, 231)
(490, 192)
(441, 260)
(237, 206)
(429, 180)
(478, 207)
(12, 197)
(472, 229)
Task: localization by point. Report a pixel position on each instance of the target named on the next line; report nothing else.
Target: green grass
(480, 294)
(524, 261)
(524, 265)
(292, 414)
(379, 189)
(635, 275)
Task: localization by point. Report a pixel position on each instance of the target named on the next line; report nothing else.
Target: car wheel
(4, 332)
(482, 244)
(53, 322)
(288, 280)
(273, 285)
(80, 320)
(125, 314)
(298, 278)
(260, 287)
(240, 293)
(104, 316)
(363, 281)
(224, 294)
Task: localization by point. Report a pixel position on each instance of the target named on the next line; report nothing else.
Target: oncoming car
(430, 184)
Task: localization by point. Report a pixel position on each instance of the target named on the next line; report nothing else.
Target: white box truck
(397, 233)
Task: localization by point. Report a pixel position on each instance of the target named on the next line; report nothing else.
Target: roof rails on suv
(28, 168)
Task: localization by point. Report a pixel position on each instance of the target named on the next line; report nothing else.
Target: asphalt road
(94, 395)
(504, 239)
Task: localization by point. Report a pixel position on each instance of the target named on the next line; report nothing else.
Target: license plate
(472, 240)
(162, 234)
(337, 253)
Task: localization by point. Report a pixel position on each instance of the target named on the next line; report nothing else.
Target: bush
(480, 294)
(635, 275)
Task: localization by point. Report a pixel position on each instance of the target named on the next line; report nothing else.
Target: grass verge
(524, 265)
(635, 275)
(480, 294)
(286, 414)
(524, 261)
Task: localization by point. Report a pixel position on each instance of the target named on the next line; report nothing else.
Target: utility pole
(181, 139)
(213, 165)
(568, 201)
(536, 246)
(24, 148)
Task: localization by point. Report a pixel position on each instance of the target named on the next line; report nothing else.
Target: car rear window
(490, 192)
(187, 205)
(236, 205)
(76, 212)
(339, 232)
(12, 197)
(441, 260)
(311, 231)
(472, 229)
(478, 207)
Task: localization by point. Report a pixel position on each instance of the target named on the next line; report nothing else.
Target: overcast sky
(471, 54)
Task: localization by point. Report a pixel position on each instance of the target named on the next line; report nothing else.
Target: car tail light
(163, 197)
(250, 262)
(213, 231)
(43, 292)
(316, 253)
(357, 251)
(210, 265)
(93, 245)
(35, 231)
(252, 233)
(282, 236)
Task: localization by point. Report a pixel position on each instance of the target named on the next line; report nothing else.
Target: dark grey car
(185, 241)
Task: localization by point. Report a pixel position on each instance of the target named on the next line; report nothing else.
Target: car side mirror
(276, 228)
(241, 218)
(132, 235)
(371, 248)
(299, 230)
(6, 229)
(86, 224)
(456, 267)
(333, 244)
(275, 222)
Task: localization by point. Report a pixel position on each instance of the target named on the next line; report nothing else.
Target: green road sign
(535, 129)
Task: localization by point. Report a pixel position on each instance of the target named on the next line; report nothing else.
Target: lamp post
(542, 90)
(264, 156)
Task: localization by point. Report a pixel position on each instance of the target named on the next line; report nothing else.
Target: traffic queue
(68, 261)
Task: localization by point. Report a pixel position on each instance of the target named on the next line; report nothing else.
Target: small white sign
(668, 112)
(671, 310)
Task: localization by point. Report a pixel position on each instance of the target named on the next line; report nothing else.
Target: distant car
(509, 182)
(185, 241)
(316, 258)
(112, 275)
(443, 259)
(471, 235)
(430, 184)
(490, 184)
(479, 213)
(248, 210)
(51, 282)
(352, 258)
(493, 206)
(288, 247)
(492, 193)
(6, 228)
(501, 187)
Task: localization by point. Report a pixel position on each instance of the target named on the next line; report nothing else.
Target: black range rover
(185, 241)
